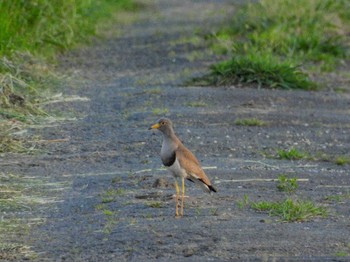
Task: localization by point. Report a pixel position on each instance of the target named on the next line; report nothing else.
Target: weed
(341, 254)
(249, 122)
(338, 198)
(111, 194)
(107, 212)
(342, 160)
(153, 91)
(214, 211)
(290, 210)
(160, 111)
(262, 69)
(243, 203)
(288, 185)
(154, 204)
(292, 154)
(196, 104)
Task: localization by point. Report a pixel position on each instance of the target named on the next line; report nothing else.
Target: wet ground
(115, 199)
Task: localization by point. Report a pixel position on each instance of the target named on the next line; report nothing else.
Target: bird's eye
(162, 123)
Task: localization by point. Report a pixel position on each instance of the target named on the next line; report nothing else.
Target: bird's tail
(207, 188)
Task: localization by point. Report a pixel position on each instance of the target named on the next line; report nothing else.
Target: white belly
(176, 170)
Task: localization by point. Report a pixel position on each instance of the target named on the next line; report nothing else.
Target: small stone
(160, 183)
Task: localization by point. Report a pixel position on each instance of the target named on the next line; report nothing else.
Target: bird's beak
(155, 126)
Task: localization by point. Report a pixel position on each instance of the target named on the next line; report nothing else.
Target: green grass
(111, 195)
(277, 44)
(44, 26)
(32, 34)
(342, 160)
(341, 254)
(290, 210)
(160, 111)
(338, 198)
(317, 32)
(196, 104)
(285, 184)
(249, 122)
(244, 202)
(262, 69)
(154, 204)
(291, 154)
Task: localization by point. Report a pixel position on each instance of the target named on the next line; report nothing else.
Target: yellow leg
(176, 198)
(183, 196)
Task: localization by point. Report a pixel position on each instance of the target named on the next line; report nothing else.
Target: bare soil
(117, 202)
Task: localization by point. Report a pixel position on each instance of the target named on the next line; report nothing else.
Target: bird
(180, 162)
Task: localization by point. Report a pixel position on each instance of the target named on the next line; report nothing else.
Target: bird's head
(164, 125)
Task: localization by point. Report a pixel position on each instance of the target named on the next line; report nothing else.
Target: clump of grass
(264, 70)
(154, 204)
(291, 210)
(110, 195)
(196, 104)
(338, 198)
(342, 160)
(285, 184)
(291, 154)
(243, 202)
(249, 122)
(7, 142)
(341, 254)
(159, 111)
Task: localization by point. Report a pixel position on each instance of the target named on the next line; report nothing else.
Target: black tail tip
(211, 188)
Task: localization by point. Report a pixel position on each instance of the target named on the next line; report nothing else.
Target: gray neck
(170, 143)
(170, 140)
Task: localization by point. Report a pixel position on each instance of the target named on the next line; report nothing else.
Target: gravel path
(110, 208)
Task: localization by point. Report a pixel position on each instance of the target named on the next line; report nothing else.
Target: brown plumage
(180, 161)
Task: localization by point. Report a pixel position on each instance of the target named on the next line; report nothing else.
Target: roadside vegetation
(32, 33)
(278, 44)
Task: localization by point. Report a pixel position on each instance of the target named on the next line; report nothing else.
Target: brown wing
(190, 163)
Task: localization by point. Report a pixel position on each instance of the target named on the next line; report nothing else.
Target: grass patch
(154, 204)
(291, 154)
(244, 202)
(338, 198)
(290, 210)
(111, 195)
(160, 111)
(342, 160)
(196, 104)
(47, 26)
(341, 254)
(285, 184)
(277, 44)
(249, 122)
(262, 69)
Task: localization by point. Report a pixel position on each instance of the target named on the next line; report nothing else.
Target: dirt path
(109, 208)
